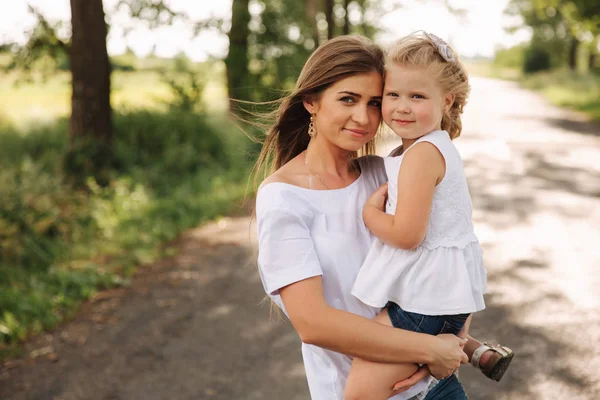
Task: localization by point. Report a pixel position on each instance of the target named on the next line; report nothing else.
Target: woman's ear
(311, 105)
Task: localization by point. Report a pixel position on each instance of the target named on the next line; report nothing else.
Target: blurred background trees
(106, 158)
(564, 33)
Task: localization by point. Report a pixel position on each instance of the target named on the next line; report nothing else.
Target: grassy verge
(42, 101)
(488, 69)
(58, 246)
(573, 90)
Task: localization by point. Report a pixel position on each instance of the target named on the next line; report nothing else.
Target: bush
(512, 57)
(171, 171)
(536, 59)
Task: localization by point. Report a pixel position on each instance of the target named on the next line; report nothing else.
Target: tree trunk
(573, 53)
(311, 13)
(237, 58)
(592, 60)
(329, 18)
(346, 29)
(90, 68)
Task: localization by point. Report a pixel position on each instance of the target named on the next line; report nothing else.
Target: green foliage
(283, 35)
(560, 28)
(58, 244)
(44, 51)
(512, 57)
(536, 58)
(570, 89)
(187, 89)
(85, 157)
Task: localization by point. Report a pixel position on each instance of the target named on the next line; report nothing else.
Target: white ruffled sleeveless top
(444, 275)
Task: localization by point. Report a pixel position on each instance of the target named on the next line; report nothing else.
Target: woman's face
(348, 113)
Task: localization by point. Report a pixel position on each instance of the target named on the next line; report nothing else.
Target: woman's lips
(357, 132)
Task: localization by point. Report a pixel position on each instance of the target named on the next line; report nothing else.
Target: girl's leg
(471, 346)
(447, 389)
(493, 362)
(372, 381)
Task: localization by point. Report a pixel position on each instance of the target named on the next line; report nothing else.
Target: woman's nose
(361, 116)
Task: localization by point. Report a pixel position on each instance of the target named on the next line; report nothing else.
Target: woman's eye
(375, 103)
(347, 99)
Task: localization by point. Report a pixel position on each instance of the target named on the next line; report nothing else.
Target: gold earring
(311, 127)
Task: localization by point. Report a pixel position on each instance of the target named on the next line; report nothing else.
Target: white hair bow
(442, 47)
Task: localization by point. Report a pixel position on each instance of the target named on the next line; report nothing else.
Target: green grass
(574, 90)
(486, 68)
(59, 246)
(42, 101)
(578, 91)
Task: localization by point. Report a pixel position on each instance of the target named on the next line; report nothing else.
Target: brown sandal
(497, 365)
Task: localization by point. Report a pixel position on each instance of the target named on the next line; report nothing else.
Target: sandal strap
(477, 354)
(503, 351)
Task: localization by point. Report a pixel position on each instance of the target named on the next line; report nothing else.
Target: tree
(90, 125)
(346, 26)
(311, 14)
(328, 9)
(237, 58)
(90, 69)
(561, 26)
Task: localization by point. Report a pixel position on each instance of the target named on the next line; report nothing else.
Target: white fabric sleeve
(286, 253)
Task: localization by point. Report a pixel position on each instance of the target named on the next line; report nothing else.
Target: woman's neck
(324, 157)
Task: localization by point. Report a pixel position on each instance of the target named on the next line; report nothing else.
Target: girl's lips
(402, 122)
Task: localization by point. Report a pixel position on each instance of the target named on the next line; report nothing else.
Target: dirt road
(194, 328)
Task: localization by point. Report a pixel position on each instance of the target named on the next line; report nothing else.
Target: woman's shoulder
(279, 192)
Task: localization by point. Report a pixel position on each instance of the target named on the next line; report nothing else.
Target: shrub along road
(194, 327)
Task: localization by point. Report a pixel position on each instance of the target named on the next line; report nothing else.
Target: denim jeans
(447, 389)
(431, 324)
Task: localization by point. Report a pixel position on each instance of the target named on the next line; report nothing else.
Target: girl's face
(348, 113)
(413, 103)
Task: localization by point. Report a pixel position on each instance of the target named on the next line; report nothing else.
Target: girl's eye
(418, 96)
(375, 103)
(347, 99)
(392, 94)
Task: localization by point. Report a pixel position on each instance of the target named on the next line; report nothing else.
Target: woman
(312, 240)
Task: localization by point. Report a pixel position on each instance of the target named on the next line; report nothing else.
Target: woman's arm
(319, 324)
(422, 168)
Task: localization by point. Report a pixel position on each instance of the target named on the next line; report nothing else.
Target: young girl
(426, 268)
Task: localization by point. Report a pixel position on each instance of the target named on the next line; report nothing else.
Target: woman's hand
(378, 198)
(448, 355)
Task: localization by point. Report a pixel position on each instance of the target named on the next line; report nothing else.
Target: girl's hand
(378, 198)
(409, 382)
(448, 355)
(464, 332)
